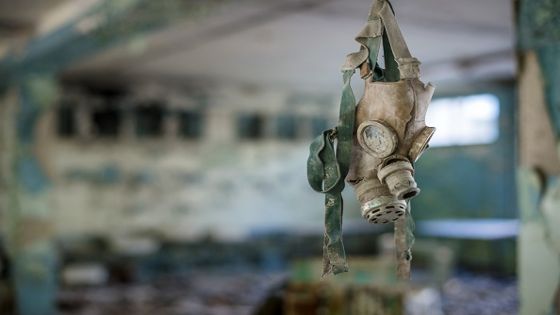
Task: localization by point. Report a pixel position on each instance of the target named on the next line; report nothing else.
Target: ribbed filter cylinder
(378, 205)
(399, 178)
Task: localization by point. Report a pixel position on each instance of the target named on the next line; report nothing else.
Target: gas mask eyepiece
(377, 138)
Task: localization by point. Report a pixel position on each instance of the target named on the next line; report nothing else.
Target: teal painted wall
(475, 181)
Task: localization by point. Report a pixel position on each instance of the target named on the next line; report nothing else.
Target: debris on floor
(197, 294)
(467, 294)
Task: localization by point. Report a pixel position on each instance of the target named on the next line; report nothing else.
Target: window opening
(190, 124)
(106, 122)
(149, 120)
(250, 126)
(286, 127)
(66, 121)
(466, 120)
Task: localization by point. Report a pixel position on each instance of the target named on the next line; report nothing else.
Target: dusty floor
(468, 294)
(244, 293)
(200, 294)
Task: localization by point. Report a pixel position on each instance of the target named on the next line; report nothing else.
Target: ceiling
(23, 14)
(18, 20)
(23, 20)
(302, 43)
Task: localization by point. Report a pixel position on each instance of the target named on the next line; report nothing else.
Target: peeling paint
(538, 184)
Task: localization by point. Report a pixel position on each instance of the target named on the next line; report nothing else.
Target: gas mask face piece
(390, 136)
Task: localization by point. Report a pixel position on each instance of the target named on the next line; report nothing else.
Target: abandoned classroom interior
(153, 159)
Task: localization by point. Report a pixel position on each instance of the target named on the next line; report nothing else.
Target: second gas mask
(390, 136)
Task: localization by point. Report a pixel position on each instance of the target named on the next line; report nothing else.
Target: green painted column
(28, 229)
(539, 156)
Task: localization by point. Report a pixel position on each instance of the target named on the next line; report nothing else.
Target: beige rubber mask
(390, 131)
(390, 136)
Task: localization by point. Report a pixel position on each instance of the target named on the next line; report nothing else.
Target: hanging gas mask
(376, 143)
(390, 136)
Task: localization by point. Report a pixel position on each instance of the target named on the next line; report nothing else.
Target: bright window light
(464, 120)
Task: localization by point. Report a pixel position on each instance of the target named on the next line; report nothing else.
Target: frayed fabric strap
(330, 153)
(408, 65)
(327, 167)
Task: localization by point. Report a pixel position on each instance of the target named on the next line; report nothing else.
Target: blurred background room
(153, 159)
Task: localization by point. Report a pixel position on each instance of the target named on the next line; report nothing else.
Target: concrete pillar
(27, 226)
(539, 156)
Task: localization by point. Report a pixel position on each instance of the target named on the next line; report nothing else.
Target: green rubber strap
(345, 128)
(392, 73)
(327, 167)
(334, 257)
(330, 153)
